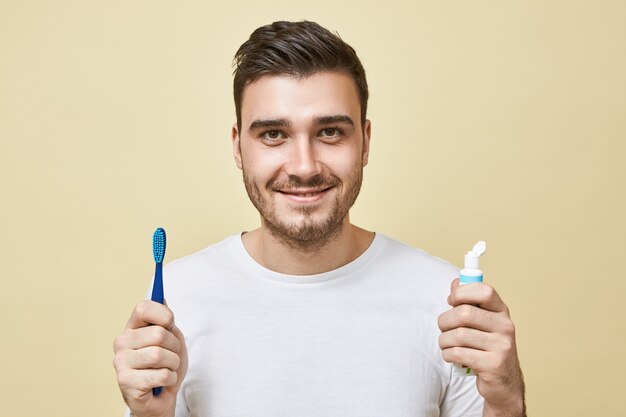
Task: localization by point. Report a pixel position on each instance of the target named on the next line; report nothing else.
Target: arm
(478, 332)
(150, 353)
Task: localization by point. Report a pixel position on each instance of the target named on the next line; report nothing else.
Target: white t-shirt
(358, 341)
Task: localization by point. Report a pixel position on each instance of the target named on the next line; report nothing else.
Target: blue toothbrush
(158, 250)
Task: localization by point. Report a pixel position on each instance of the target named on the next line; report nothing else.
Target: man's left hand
(478, 332)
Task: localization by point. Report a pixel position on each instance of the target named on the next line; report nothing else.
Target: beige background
(495, 120)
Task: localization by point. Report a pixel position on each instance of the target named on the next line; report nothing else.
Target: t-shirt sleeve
(462, 398)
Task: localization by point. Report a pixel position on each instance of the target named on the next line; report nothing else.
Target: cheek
(261, 165)
(343, 164)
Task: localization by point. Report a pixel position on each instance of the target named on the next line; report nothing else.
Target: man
(310, 315)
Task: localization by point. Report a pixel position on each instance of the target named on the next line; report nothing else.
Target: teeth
(311, 194)
(303, 194)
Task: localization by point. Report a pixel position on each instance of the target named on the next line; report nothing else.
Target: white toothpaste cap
(471, 258)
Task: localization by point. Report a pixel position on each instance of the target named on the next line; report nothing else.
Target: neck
(293, 258)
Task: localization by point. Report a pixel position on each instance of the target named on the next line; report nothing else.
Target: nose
(303, 160)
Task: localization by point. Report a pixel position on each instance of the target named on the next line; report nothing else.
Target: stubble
(306, 234)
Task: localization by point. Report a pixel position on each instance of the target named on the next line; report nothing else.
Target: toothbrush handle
(157, 287)
(157, 295)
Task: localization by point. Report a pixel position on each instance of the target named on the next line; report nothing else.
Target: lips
(305, 195)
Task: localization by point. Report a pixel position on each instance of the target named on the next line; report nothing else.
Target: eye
(330, 132)
(271, 134)
(272, 137)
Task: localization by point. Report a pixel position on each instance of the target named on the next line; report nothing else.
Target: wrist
(516, 408)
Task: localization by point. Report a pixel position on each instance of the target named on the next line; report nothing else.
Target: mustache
(294, 182)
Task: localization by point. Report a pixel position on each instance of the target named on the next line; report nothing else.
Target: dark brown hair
(299, 49)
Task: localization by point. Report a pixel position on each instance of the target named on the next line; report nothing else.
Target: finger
(466, 337)
(179, 335)
(147, 336)
(150, 312)
(480, 361)
(181, 339)
(473, 317)
(472, 358)
(153, 357)
(146, 379)
(454, 284)
(480, 294)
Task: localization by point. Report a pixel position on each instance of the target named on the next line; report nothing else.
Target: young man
(310, 315)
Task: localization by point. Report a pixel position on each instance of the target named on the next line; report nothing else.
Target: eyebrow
(322, 120)
(338, 118)
(263, 124)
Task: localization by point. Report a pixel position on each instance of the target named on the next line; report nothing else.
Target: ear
(367, 132)
(236, 146)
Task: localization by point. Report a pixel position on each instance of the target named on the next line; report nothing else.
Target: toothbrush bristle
(158, 245)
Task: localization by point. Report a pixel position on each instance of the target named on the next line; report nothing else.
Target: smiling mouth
(304, 193)
(305, 196)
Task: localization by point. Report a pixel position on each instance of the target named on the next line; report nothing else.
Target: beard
(306, 233)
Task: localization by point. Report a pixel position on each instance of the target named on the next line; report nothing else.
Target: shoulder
(204, 267)
(415, 273)
(221, 252)
(403, 254)
(187, 281)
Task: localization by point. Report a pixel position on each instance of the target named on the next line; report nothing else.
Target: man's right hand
(150, 353)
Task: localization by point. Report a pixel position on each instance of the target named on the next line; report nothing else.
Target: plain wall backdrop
(495, 120)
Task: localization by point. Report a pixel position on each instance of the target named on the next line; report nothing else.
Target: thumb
(453, 285)
(181, 372)
(174, 320)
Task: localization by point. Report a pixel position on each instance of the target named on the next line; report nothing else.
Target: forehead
(300, 98)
